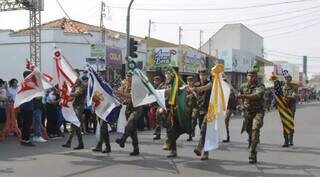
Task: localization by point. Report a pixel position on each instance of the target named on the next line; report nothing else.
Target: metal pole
(180, 30)
(209, 46)
(128, 31)
(102, 15)
(200, 39)
(149, 30)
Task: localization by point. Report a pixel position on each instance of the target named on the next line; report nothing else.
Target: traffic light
(133, 48)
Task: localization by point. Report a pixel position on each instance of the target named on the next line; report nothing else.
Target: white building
(75, 39)
(239, 47)
(234, 36)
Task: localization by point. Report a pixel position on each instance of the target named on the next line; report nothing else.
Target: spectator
(26, 112)
(37, 114)
(3, 101)
(52, 103)
(13, 89)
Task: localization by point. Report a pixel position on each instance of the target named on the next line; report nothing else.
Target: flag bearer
(132, 114)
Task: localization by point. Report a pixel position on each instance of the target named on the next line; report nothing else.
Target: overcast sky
(292, 28)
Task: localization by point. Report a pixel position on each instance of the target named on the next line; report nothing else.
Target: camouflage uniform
(268, 98)
(133, 115)
(80, 93)
(203, 104)
(232, 106)
(162, 119)
(253, 115)
(289, 90)
(192, 109)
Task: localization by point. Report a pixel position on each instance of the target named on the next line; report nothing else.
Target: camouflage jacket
(251, 106)
(292, 91)
(191, 104)
(80, 93)
(203, 98)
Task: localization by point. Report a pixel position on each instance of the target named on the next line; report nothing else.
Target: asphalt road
(51, 160)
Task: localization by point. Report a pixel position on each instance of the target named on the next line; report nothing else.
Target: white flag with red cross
(66, 78)
(34, 85)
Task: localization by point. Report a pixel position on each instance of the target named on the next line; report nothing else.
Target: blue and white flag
(143, 92)
(100, 95)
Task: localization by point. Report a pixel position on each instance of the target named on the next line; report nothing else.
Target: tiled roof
(73, 26)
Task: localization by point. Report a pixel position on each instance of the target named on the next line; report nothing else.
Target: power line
(232, 21)
(293, 31)
(284, 54)
(291, 25)
(71, 22)
(216, 9)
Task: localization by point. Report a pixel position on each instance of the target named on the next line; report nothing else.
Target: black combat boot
(172, 154)
(253, 158)
(226, 140)
(157, 137)
(286, 141)
(98, 148)
(107, 149)
(291, 140)
(135, 152)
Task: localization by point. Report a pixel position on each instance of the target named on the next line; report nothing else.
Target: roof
(265, 61)
(73, 26)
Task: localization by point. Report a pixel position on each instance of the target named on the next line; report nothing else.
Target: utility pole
(200, 39)
(102, 16)
(180, 30)
(149, 30)
(128, 30)
(209, 46)
(305, 62)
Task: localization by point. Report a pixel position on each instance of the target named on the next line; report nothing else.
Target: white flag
(34, 85)
(143, 92)
(217, 108)
(101, 95)
(66, 78)
(122, 121)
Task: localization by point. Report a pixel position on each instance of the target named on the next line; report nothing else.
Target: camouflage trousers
(203, 132)
(162, 120)
(76, 130)
(227, 119)
(253, 126)
(131, 127)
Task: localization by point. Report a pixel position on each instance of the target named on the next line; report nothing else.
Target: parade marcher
(203, 91)
(290, 93)
(132, 114)
(231, 108)
(79, 94)
(192, 108)
(162, 116)
(103, 138)
(252, 101)
(268, 99)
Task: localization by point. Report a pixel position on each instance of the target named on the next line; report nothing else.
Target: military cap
(203, 71)
(190, 78)
(252, 71)
(129, 74)
(84, 78)
(157, 78)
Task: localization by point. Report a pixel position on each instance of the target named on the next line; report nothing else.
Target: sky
(290, 30)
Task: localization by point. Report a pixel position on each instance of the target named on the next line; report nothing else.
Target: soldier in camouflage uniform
(79, 94)
(132, 114)
(268, 98)
(162, 116)
(231, 108)
(290, 93)
(192, 108)
(203, 91)
(252, 102)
